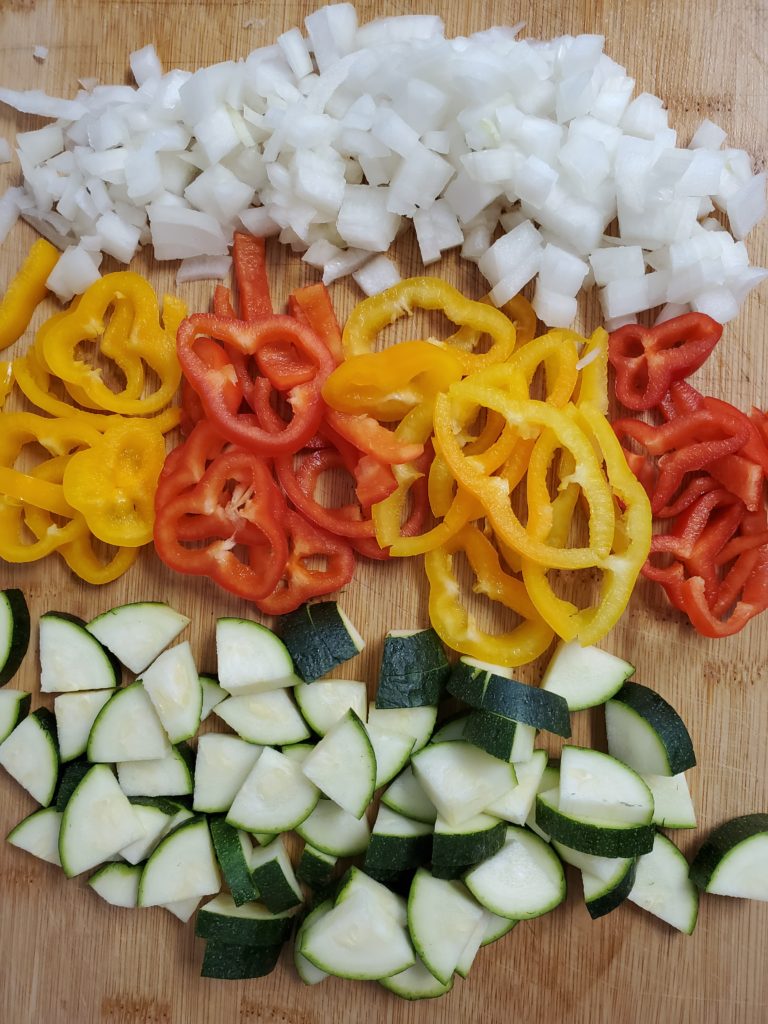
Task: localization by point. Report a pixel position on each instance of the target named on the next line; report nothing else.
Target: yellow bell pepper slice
(26, 291)
(373, 314)
(147, 342)
(113, 483)
(457, 627)
(388, 384)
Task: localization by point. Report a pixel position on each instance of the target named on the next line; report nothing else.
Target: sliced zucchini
(307, 971)
(461, 780)
(603, 839)
(69, 780)
(475, 840)
(275, 878)
(524, 879)
(361, 937)
(392, 751)
(343, 765)
(213, 694)
(237, 963)
(182, 909)
(442, 918)
(127, 729)
(515, 806)
(38, 834)
(221, 920)
(136, 633)
(72, 659)
(97, 822)
(275, 797)
(271, 718)
(601, 896)
(406, 796)
(155, 816)
(319, 637)
(315, 867)
(323, 703)
(14, 633)
(251, 659)
(356, 882)
(75, 714)
(298, 752)
(488, 691)
(335, 831)
(601, 869)
(472, 947)
(234, 851)
(416, 982)
(672, 804)
(182, 866)
(663, 888)
(14, 708)
(499, 736)
(413, 670)
(117, 883)
(397, 843)
(647, 733)
(450, 730)
(30, 755)
(415, 722)
(731, 861)
(173, 685)
(550, 779)
(496, 928)
(597, 787)
(222, 765)
(166, 776)
(585, 676)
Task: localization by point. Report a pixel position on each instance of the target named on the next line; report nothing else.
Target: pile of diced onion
(523, 153)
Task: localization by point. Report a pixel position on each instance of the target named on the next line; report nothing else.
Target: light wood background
(68, 958)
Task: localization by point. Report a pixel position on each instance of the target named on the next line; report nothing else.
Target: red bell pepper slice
(371, 437)
(753, 592)
(249, 514)
(647, 360)
(686, 444)
(300, 485)
(312, 305)
(298, 581)
(250, 263)
(222, 301)
(245, 428)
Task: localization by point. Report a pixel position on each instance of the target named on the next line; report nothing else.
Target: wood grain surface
(68, 958)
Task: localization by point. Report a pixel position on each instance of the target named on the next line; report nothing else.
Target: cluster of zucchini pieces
(473, 827)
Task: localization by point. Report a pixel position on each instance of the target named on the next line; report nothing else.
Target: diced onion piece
(5, 152)
(377, 275)
(178, 233)
(203, 268)
(73, 273)
(40, 52)
(145, 65)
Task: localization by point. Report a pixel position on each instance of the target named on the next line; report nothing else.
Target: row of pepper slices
(704, 467)
(441, 438)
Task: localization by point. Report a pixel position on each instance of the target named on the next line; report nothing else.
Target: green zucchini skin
(600, 840)
(491, 732)
(393, 854)
(614, 896)
(235, 931)
(315, 868)
(461, 850)
(18, 639)
(510, 699)
(69, 780)
(237, 963)
(665, 722)
(317, 639)
(229, 854)
(720, 842)
(413, 672)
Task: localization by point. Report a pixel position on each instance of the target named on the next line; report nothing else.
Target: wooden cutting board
(66, 957)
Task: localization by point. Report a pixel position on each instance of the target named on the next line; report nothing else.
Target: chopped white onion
(338, 132)
(5, 151)
(377, 275)
(73, 273)
(204, 268)
(40, 52)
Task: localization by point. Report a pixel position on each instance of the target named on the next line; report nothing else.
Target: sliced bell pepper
(245, 428)
(375, 313)
(388, 384)
(312, 305)
(6, 380)
(648, 360)
(250, 263)
(299, 582)
(146, 342)
(112, 483)
(26, 291)
(528, 417)
(456, 625)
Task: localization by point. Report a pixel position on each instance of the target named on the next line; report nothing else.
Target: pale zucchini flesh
(117, 884)
(270, 718)
(585, 676)
(343, 765)
(136, 633)
(72, 659)
(173, 685)
(127, 729)
(275, 797)
(30, 755)
(38, 834)
(222, 765)
(182, 867)
(75, 714)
